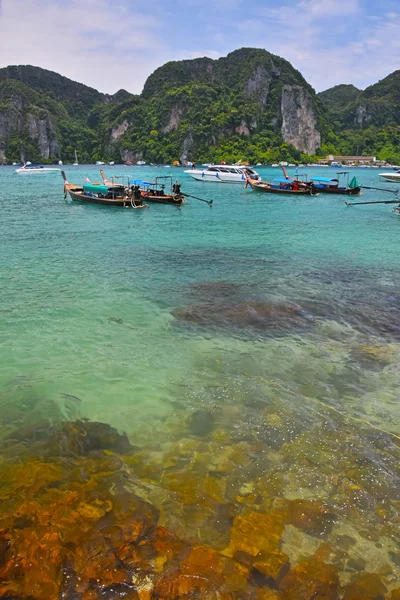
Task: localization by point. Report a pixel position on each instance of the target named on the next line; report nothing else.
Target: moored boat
(394, 177)
(328, 185)
(152, 191)
(223, 174)
(279, 186)
(30, 168)
(95, 193)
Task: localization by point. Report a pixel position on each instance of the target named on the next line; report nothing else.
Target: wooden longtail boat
(279, 186)
(152, 191)
(92, 193)
(327, 185)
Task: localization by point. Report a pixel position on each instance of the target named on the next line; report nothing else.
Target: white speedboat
(141, 163)
(30, 168)
(223, 174)
(394, 176)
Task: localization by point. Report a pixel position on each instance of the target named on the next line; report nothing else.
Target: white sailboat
(76, 164)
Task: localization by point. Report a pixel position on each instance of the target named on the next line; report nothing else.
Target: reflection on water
(193, 412)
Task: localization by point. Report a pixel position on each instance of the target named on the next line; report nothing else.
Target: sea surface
(238, 364)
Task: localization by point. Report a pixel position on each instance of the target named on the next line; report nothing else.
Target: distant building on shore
(350, 160)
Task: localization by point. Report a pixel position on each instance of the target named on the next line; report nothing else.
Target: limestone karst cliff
(250, 104)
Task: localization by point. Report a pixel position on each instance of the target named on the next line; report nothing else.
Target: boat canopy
(97, 189)
(140, 182)
(325, 179)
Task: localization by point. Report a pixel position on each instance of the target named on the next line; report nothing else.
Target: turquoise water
(131, 318)
(70, 273)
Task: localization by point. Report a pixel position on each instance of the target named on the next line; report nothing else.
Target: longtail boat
(279, 186)
(96, 193)
(328, 185)
(152, 191)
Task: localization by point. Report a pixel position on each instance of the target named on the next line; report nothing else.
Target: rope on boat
(332, 408)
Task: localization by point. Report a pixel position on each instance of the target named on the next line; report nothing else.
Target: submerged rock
(80, 438)
(244, 316)
(311, 580)
(367, 586)
(201, 422)
(212, 290)
(310, 516)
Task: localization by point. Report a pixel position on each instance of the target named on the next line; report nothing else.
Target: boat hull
(42, 171)
(393, 177)
(222, 174)
(217, 178)
(267, 189)
(338, 190)
(167, 199)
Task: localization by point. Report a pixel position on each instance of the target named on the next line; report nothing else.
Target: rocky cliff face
(362, 117)
(31, 130)
(43, 133)
(259, 83)
(299, 122)
(25, 125)
(175, 119)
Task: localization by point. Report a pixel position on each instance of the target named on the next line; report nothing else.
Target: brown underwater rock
(311, 516)
(255, 539)
(79, 438)
(311, 580)
(367, 586)
(205, 574)
(249, 315)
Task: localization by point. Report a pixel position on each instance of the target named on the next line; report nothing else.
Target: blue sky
(113, 44)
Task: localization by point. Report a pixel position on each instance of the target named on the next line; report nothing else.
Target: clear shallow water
(278, 318)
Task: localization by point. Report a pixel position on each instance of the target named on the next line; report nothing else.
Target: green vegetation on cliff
(249, 105)
(365, 122)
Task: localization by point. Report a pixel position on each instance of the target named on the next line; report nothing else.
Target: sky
(114, 44)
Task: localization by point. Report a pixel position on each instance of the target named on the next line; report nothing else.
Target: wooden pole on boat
(366, 187)
(374, 202)
(209, 202)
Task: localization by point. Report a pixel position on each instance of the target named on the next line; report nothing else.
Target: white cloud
(82, 40)
(328, 8)
(325, 48)
(110, 44)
